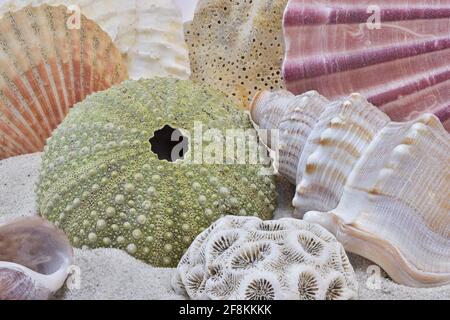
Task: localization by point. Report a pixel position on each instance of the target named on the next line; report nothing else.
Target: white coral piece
(245, 258)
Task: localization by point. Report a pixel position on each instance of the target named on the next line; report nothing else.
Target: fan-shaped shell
(395, 53)
(249, 259)
(148, 33)
(237, 46)
(47, 67)
(34, 259)
(395, 207)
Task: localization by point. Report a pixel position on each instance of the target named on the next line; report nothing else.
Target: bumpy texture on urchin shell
(45, 69)
(104, 187)
(149, 33)
(245, 258)
(237, 46)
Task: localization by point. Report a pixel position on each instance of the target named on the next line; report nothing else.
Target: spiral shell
(382, 187)
(34, 259)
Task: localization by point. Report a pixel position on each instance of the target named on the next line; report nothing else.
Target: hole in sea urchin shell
(169, 144)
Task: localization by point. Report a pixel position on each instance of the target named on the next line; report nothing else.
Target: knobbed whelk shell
(237, 46)
(34, 259)
(395, 209)
(245, 258)
(395, 53)
(337, 141)
(47, 67)
(148, 33)
(294, 117)
(384, 184)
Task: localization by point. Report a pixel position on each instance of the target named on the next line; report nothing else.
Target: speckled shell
(46, 69)
(393, 52)
(103, 184)
(34, 259)
(244, 258)
(294, 117)
(237, 46)
(335, 144)
(395, 209)
(149, 33)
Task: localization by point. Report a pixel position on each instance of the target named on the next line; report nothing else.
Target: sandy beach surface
(113, 274)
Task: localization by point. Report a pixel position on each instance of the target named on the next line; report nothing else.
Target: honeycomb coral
(237, 46)
(245, 258)
(103, 185)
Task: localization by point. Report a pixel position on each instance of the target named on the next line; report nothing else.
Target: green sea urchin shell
(102, 184)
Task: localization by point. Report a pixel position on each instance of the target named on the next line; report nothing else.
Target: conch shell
(337, 141)
(148, 33)
(384, 186)
(35, 258)
(48, 66)
(295, 117)
(393, 52)
(395, 209)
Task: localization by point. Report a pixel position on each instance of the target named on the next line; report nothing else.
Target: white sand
(113, 274)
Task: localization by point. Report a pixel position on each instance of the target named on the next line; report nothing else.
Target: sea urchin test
(106, 181)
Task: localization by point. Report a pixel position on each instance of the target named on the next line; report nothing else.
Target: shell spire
(293, 117)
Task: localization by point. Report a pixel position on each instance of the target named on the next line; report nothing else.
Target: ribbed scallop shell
(294, 117)
(240, 258)
(34, 259)
(336, 143)
(149, 33)
(45, 69)
(401, 65)
(395, 209)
